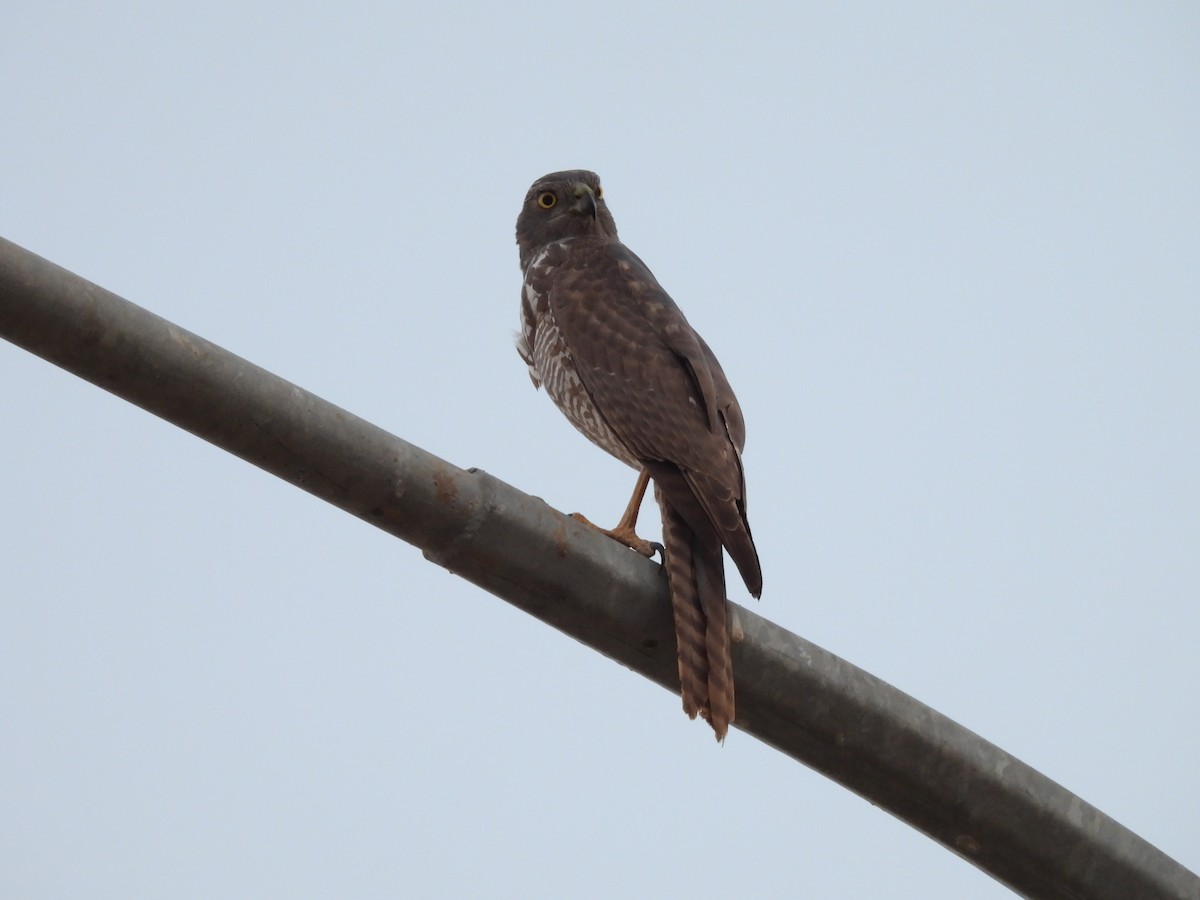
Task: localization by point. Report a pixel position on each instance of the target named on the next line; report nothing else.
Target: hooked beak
(585, 200)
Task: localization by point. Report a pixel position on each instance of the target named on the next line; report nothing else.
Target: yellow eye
(599, 192)
(546, 199)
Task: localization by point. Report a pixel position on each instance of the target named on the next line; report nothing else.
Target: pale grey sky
(947, 254)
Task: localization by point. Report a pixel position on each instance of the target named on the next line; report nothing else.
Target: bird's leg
(624, 533)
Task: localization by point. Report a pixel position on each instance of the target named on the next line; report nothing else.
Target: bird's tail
(696, 575)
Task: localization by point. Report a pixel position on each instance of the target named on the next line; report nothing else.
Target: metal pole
(972, 797)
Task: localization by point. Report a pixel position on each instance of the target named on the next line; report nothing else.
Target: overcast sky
(949, 256)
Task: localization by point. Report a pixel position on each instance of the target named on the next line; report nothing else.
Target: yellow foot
(625, 536)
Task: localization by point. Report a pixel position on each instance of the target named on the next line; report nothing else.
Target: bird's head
(562, 205)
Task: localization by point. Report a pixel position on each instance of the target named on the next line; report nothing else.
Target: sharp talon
(625, 536)
(656, 547)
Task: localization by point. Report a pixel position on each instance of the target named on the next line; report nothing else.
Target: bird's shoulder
(591, 271)
(585, 253)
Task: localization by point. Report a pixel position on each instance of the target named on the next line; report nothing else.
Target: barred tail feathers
(696, 577)
(710, 579)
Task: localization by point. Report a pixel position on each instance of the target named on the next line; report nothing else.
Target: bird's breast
(551, 364)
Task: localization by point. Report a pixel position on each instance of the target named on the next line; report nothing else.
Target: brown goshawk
(621, 362)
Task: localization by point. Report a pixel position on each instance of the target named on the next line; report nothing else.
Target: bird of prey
(621, 362)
